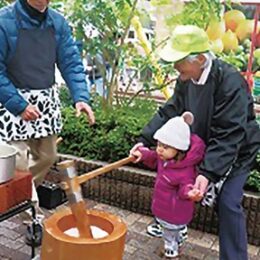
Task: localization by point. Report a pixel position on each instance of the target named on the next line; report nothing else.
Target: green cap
(185, 40)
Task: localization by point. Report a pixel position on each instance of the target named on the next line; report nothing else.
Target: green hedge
(112, 136)
(114, 133)
(253, 182)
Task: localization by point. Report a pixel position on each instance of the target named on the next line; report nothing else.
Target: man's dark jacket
(224, 119)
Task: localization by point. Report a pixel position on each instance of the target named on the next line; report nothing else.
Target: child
(176, 156)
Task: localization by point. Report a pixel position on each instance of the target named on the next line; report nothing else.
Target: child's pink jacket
(174, 179)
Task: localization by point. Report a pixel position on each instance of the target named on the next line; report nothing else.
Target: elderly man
(222, 105)
(33, 39)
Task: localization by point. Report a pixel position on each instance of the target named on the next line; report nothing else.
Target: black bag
(50, 195)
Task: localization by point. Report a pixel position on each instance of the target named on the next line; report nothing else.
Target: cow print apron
(14, 128)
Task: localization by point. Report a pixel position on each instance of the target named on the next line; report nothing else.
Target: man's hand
(85, 108)
(201, 184)
(134, 152)
(30, 113)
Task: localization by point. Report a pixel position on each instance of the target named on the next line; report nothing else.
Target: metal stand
(18, 209)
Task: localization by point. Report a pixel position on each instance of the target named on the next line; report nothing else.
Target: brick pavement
(139, 245)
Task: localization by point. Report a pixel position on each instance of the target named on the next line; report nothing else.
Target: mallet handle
(107, 168)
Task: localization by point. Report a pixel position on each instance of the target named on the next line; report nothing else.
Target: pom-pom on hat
(176, 132)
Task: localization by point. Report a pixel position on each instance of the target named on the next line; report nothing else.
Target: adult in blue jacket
(34, 39)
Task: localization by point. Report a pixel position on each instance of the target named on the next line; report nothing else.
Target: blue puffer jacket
(68, 57)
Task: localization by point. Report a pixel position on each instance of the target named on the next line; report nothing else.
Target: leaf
(6, 118)
(9, 127)
(2, 111)
(40, 106)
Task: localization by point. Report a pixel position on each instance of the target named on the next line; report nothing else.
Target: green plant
(253, 182)
(197, 12)
(112, 22)
(111, 137)
(237, 59)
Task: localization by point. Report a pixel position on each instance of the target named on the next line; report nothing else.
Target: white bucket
(7, 162)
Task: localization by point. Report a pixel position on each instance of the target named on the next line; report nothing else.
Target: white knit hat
(176, 132)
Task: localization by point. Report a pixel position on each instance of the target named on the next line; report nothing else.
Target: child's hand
(195, 194)
(138, 155)
(134, 152)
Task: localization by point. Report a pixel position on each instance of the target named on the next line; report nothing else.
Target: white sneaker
(183, 236)
(171, 253)
(154, 230)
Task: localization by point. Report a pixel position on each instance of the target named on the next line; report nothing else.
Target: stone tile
(146, 219)
(100, 206)
(132, 218)
(135, 244)
(111, 209)
(91, 204)
(193, 251)
(130, 249)
(194, 233)
(253, 250)
(21, 229)
(127, 256)
(153, 243)
(9, 224)
(9, 233)
(123, 214)
(142, 238)
(253, 257)
(215, 246)
(138, 227)
(144, 255)
(12, 254)
(213, 256)
(203, 240)
(9, 243)
(210, 238)
(25, 249)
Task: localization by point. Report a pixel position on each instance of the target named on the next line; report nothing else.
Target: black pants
(232, 223)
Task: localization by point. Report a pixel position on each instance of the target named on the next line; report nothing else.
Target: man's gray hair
(208, 55)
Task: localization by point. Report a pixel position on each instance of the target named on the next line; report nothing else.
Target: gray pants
(171, 234)
(36, 156)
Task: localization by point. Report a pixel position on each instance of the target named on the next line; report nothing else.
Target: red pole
(249, 75)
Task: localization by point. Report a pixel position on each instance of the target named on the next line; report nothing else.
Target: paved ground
(139, 245)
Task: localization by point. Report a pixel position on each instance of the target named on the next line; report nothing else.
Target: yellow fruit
(216, 29)
(257, 74)
(216, 46)
(230, 41)
(245, 29)
(257, 53)
(233, 18)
